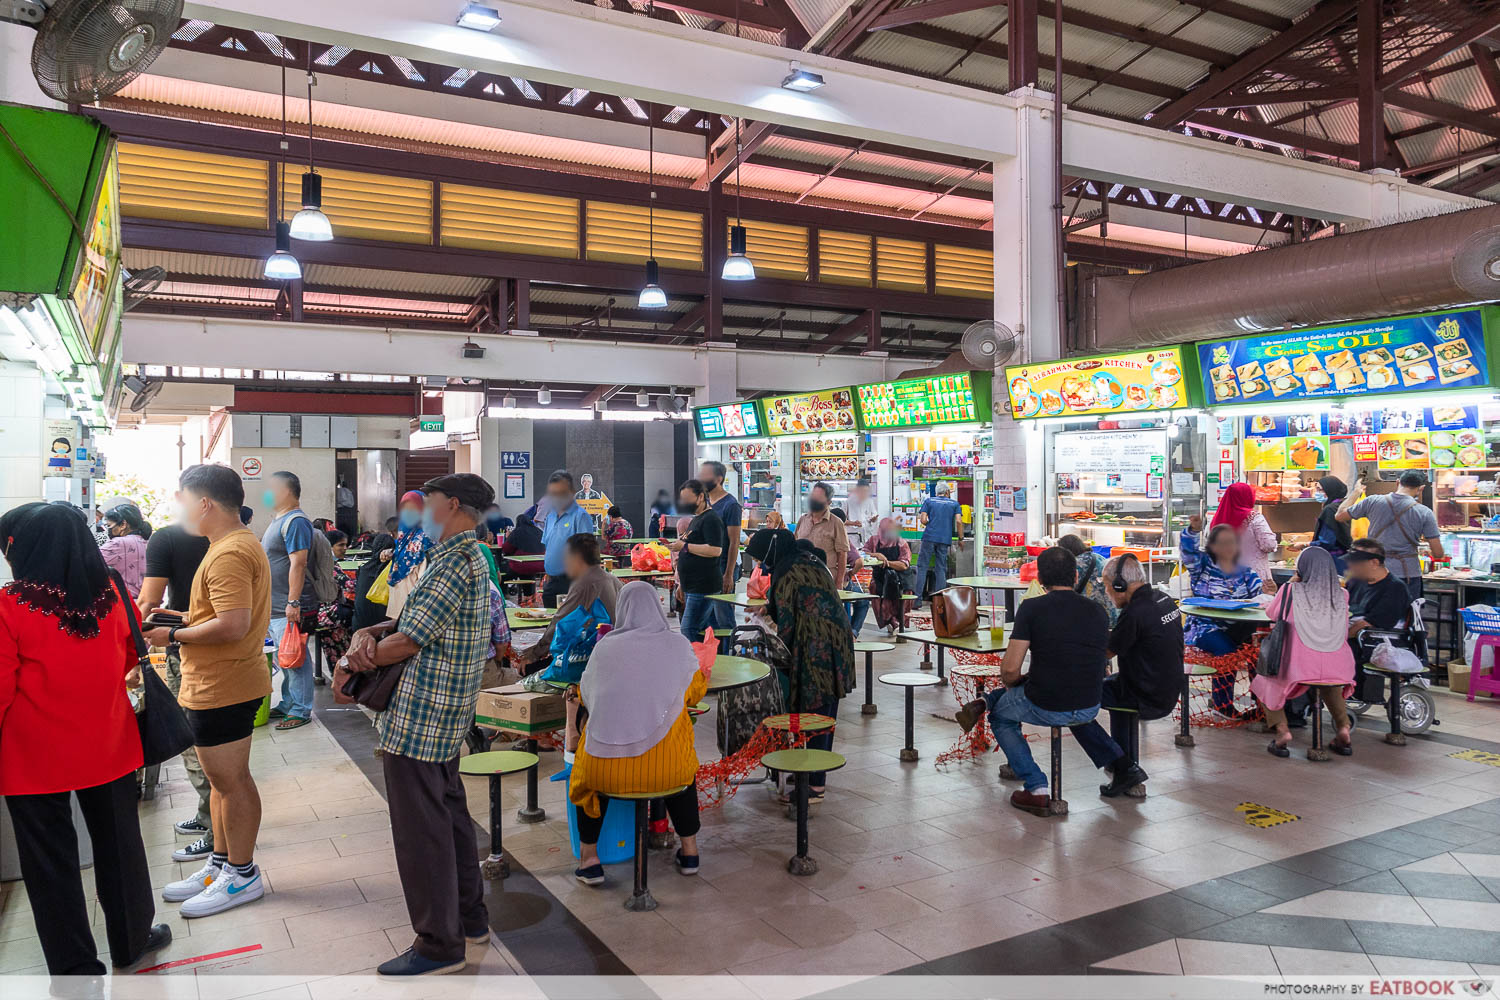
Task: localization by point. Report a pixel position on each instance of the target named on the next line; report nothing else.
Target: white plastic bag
(1395, 659)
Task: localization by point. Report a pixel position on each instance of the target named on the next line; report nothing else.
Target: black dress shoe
(157, 938)
(1125, 778)
(969, 714)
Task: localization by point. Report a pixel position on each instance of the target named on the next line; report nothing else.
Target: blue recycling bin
(617, 838)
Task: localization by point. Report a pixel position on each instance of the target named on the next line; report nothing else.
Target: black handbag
(1276, 645)
(374, 688)
(165, 732)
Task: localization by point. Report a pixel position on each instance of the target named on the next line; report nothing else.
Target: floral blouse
(1209, 580)
(812, 622)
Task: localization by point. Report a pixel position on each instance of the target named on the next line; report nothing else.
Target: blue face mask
(1320, 496)
(430, 527)
(410, 518)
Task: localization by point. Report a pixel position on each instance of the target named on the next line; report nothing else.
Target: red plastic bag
(707, 651)
(293, 648)
(1028, 572)
(642, 558)
(758, 585)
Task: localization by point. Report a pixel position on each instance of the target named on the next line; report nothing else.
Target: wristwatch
(172, 633)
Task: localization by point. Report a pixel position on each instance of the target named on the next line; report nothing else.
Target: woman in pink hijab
(1257, 540)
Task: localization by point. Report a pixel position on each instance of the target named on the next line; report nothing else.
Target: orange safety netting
(718, 780)
(966, 687)
(1222, 699)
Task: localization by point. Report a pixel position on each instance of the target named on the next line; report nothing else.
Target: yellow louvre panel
(367, 206)
(964, 271)
(621, 234)
(777, 251)
(181, 185)
(514, 221)
(900, 264)
(843, 258)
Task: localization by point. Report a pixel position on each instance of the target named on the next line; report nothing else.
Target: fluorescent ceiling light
(478, 17)
(801, 80)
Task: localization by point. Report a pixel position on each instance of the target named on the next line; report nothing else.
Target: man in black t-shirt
(1377, 599)
(172, 557)
(1147, 642)
(698, 569)
(1067, 635)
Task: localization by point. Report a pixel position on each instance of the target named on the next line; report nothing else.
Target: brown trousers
(1333, 697)
(437, 854)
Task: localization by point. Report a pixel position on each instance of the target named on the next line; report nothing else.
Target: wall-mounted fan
(671, 402)
(141, 283)
(88, 49)
(987, 345)
(143, 390)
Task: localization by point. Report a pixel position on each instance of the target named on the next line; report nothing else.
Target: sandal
(1277, 750)
(291, 722)
(1342, 748)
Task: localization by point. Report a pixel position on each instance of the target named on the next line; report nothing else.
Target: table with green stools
(492, 765)
(730, 672)
(1256, 615)
(870, 649)
(802, 763)
(981, 641)
(641, 574)
(640, 898)
(910, 680)
(1008, 584)
(518, 621)
(742, 600)
(349, 567)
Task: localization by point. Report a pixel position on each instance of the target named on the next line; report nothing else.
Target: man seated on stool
(1068, 637)
(1147, 642)
(1377, 599)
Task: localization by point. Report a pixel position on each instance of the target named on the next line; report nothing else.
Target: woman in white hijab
(1318, 610)
(638, 737)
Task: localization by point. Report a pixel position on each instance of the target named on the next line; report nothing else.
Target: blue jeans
(724, 613)
(1009, 708)
(858, 610)
(697, 615)
(296, 683)
(936, 555)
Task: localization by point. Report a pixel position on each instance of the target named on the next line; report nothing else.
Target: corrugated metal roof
(394, 281)
(196, 264)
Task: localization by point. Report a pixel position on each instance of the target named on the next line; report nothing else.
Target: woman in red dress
(67, 728)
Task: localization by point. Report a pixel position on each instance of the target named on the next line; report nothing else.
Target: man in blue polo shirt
(565, 518)
(940, 517)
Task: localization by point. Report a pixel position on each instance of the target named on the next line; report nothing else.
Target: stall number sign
(1436, 351)
(431, 424)
(1104, 452)
(918, 402)
(1264, 816)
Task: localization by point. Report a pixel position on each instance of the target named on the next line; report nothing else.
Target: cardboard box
(1458, 677)
(519, 711)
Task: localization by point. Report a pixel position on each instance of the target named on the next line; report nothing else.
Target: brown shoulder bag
(955, 612)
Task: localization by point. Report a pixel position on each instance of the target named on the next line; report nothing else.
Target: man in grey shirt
(1400, 521)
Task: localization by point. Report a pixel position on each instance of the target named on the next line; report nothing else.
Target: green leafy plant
(155, 503)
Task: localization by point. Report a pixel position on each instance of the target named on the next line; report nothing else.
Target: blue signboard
(1376, 357)
(729, 420)
(515, 460)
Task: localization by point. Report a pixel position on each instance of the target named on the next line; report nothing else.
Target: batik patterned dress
(1243, 584)
(812, 622)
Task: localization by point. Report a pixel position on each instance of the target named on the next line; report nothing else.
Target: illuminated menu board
(728, 420)
(921, 402)
(810, 412)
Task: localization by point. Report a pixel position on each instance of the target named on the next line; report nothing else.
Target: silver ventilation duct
(1431, 263)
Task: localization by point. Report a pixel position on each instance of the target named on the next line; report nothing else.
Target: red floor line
(200, 958)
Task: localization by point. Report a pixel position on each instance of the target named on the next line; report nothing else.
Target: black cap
(465, 487)
(1412, 480)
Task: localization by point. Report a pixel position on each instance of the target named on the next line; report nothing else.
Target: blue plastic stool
(617, 838)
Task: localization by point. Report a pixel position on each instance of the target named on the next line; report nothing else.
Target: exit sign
(431, 424)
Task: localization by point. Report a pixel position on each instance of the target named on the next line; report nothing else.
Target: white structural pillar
(1026, 289)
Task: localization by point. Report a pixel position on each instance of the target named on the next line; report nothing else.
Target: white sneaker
(177, 892)
(228, 890)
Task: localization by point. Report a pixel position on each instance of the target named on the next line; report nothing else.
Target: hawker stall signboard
(810, 412)
(727, 421)
(925, 402)
(1115, 383)
(1376, 357)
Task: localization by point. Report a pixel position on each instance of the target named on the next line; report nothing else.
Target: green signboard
(431, 424)
(963, 397)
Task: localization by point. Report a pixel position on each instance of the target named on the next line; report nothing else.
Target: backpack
(321, 568)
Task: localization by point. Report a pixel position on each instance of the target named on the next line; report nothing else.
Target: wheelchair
(1411, 709)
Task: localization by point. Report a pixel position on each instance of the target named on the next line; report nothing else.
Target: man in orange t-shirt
(224, 680)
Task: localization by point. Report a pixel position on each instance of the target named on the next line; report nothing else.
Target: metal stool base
(530, 814)
(495, 868)
(640, 903)
(868, 708)
(801, 865)
(908, 754)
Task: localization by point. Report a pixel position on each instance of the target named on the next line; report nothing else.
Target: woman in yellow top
(640, 680)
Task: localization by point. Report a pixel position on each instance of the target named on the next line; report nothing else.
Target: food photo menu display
(728, 420)
(921, 402)
(810, 412)
(1115, 383)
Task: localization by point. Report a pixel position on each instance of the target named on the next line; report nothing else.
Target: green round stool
(492, 765)
(640, 898)
(802, 764)
(870, 649)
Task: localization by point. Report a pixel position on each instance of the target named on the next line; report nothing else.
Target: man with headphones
(1147, 644)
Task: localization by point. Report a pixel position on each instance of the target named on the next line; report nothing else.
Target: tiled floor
(1393, 865)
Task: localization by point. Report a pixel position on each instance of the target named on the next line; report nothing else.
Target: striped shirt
(448, 617)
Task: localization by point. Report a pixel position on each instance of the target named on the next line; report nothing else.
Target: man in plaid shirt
(444, 630)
